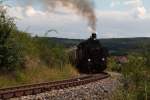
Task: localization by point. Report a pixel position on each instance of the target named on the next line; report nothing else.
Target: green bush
(113, 65)
(136, 78)
(52, 54)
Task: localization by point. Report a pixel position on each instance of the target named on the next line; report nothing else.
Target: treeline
(118, 46)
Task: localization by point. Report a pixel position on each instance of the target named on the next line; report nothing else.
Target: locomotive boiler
(90, 56)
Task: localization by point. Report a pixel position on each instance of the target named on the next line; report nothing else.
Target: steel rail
(33, 89)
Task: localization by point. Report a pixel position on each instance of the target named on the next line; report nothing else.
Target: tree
(8, 55)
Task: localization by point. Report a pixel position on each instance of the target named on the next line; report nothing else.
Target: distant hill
(114, 45)
(125, 45)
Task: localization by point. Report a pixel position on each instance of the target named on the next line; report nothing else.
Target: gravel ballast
(100, 90)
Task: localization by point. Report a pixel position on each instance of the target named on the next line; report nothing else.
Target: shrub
(136, 78)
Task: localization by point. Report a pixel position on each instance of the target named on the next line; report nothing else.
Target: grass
(37, 75)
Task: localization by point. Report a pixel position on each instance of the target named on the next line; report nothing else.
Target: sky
(115, 19)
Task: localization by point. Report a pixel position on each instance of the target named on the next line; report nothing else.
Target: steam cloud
(82, 7)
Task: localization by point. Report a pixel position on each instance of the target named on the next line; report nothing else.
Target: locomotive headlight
(103, 59)
(89, 60)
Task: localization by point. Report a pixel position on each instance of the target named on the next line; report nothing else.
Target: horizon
(115, 19)
(97, 38)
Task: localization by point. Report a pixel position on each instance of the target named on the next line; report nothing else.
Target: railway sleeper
(37, 90)
(7, 95)
(19, 93)
(28, 92)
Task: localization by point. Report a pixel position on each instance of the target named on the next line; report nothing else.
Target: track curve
(33, 89)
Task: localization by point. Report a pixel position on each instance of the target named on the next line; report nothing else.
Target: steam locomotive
(90, 56)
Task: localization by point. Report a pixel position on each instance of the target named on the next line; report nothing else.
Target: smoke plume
(81, 7)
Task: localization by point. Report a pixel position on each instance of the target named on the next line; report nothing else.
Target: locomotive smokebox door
(93, 36)
(91, 56)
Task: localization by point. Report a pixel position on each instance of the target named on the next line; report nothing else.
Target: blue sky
(115, 19)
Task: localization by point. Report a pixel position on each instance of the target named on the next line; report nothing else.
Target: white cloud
(16, 12)
(69, 25)
(114, 3)
(30, 12)
(139, 12)
(40, 21)
(135, 7)
(133, 2)
(122, 24)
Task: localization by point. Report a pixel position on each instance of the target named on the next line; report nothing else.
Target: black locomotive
(91, 57)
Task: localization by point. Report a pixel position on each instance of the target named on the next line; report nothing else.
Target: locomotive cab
(91, 56)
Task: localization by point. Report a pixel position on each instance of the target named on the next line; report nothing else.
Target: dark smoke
(82, 7)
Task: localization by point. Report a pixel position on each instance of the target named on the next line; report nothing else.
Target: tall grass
(37, 75)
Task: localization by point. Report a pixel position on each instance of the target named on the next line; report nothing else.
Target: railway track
(33, 89)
